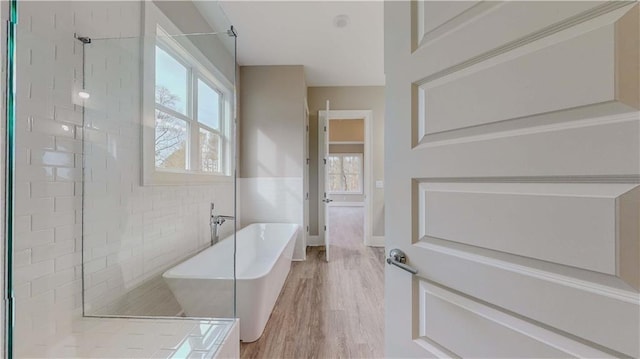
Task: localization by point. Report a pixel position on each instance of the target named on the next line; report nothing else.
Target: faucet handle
(212, 207)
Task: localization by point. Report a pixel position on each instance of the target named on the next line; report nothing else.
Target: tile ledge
(105, 337)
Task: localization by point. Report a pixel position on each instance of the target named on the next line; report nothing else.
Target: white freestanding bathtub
(203, 284)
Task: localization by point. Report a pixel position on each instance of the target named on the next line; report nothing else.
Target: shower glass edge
(9, 175)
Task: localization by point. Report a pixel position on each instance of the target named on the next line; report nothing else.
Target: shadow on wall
(273, 159)
(279, 202)
(271, 198)
(272, 156)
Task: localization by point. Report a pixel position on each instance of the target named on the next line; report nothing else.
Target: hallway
(329, 310)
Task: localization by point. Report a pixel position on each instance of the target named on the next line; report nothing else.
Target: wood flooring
(329, 310)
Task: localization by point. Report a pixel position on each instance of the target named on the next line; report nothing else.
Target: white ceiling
(302, 33)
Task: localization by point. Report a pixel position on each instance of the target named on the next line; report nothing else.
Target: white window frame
(342, 155)
(158, 31)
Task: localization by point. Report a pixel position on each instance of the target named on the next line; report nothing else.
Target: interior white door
(326, 200)
(323, 177)
(512, 156)
(306, 176)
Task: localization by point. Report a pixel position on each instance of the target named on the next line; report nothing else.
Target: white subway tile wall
(131, 232)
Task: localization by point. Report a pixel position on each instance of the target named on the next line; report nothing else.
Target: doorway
(344, 168)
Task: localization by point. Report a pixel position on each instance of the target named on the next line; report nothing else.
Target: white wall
(132, 232)
(48, 172)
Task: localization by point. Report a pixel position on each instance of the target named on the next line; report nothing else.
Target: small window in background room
(345, 173)
(189, 108)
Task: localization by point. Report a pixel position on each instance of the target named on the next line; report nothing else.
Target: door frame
(367, 115)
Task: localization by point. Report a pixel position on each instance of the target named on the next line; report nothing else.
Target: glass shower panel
(119, 153)
(159, 162)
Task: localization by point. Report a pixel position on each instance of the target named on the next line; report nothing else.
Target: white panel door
(326, 199)
(323, 178)
(512, 161)
(305, 184)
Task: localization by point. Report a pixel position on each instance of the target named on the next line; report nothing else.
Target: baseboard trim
(376, 241)
(314, 241)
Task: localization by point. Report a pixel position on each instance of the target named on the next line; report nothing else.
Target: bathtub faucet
(215, 222)
(220, 219)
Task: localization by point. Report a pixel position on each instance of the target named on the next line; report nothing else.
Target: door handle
(327, 200)
(399, 259)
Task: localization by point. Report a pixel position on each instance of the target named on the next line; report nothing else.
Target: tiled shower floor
(152, 298)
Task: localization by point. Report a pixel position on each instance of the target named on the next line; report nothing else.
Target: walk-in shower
(124, 137)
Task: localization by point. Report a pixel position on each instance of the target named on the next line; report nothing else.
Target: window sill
(167, 178)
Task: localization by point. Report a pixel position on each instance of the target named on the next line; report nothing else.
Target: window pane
(353, 183)
(208, 106)
(334, 165)
(210, 151)
(171, 82)
(335, 183)
(171, 142)
(351, 164)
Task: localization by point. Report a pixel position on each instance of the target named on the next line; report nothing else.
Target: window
(345, 173)
(192, 116)
(188, 105)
